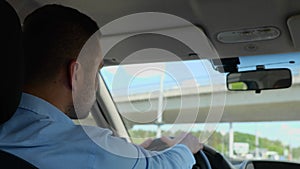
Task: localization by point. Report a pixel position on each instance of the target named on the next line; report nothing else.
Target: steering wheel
(201, 159)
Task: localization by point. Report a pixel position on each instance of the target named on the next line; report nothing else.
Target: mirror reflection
(259, 79)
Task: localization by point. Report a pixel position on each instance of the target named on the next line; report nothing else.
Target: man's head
(58, 56)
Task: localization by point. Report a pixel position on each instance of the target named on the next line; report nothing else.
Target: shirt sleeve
(177, 157)
(115, 152)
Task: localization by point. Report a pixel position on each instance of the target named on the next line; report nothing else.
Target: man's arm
(115, 152)
(187, 139)
(176, 157)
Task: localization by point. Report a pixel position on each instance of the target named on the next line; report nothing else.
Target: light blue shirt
(44, 136)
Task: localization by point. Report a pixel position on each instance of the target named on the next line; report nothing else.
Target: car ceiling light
(249, 35)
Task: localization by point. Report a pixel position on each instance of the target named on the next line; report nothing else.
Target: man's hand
(187, 139)
(146, 143)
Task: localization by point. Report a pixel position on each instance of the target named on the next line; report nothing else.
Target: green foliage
(220, 142)
(296, 153)
(263, 142)
(139, 136)
(248, 138)
(238, 86)
(272, 145)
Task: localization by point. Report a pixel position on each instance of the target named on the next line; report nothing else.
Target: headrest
(11, 54)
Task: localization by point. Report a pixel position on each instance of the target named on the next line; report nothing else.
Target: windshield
(166, 98)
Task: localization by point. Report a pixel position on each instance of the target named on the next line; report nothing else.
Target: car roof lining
(227, 16)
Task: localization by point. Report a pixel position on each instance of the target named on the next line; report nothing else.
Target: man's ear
(73, 73)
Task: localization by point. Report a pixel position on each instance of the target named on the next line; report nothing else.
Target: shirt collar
(42, 107)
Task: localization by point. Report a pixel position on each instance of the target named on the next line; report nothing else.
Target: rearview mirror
(260, 79)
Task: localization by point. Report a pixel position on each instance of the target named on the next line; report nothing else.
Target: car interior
(11, 46)
(227, 71)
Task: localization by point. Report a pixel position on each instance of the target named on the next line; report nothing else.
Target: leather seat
(11, 61)
(8, 160)
(11, 76)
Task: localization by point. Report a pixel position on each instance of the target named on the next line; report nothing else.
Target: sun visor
(153, 37)
(294, 27)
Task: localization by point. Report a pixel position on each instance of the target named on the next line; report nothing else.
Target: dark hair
(53, 35)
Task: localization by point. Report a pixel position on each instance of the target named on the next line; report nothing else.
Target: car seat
(11, 76)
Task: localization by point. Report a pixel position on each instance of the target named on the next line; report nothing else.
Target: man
(63, 58)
